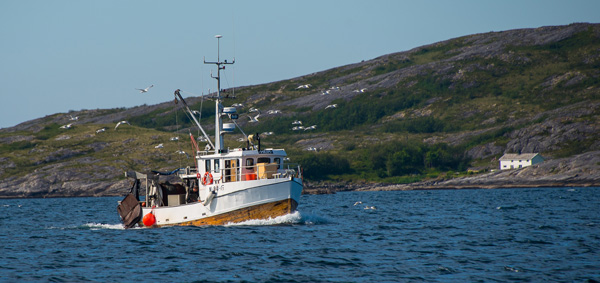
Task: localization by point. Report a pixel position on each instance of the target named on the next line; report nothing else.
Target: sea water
(541, 235)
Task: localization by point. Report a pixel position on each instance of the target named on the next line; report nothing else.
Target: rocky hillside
(427, 117)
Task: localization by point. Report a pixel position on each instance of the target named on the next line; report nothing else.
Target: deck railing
(256, 172)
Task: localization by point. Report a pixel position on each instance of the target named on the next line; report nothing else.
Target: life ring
(198, 175)
(207, 179)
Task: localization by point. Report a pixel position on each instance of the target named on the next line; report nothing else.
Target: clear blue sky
(57, 56)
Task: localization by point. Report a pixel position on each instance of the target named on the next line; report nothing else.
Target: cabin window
(207, 165)
(217, 165)
(264, 160)
(249, 163)
(278, 161)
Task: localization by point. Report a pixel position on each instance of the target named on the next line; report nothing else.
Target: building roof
(516, 156)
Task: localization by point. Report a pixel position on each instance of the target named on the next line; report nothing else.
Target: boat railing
(256, 172)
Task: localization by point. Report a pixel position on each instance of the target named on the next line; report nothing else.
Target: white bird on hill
(254, 119)
(241, 139)
(304, 86)
(174, 138)
(297, 128)
(325, 92)
(160, 145)
(121, 123)
(267, 133)
(237, 105)
(273, 112)
(182, 152)
(312, 149)
(142, 90)
(74, 118)
(359, 90)
(254, 110)
(331, 106)
(311, 127)
(297, 122)
(67, 126)
(100, 130)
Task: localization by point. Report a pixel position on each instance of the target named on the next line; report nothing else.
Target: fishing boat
(226, 185)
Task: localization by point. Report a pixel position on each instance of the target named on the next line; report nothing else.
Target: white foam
(292, 218)
(98, 226)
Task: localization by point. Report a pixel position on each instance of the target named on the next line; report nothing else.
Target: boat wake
(295, 218)
(102, 226)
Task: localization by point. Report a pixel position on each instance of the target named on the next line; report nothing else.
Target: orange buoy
(149, 219)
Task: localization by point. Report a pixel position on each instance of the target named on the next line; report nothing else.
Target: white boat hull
(234, 202)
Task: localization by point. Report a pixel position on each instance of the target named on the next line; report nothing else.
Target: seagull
(312, 149)
(100, 130)
(267, 133)
(254, 110)
(297, 122)
(237, 105)
(359, 90)
(325, 92)
(120, 123)
(357, 203)
(370, 207)
(145, 89)
(241, 139)
(304, 86)
(201, 139)
(254, 119)
(196, 112)
(67, 126)
(272, 112)
(174, 139)
(331, 106)
(160, 145)
(311, 127)
(74, 118)
(335, 88)
(182, 152)
(297, 128)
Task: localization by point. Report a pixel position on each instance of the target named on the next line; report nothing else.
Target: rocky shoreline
(579, 171)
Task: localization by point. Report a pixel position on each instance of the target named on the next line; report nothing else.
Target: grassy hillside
(431, 112)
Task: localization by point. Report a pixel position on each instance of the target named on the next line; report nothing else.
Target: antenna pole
(219, 145)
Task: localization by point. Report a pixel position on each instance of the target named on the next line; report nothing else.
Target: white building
(513, 160)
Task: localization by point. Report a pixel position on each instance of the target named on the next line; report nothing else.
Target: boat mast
(219, 145)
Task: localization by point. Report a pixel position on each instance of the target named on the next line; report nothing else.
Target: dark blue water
(546, 234)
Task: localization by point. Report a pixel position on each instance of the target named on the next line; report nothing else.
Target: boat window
(249, 163)
(264, 160)
(207, 165)
(278, 161)
(216, 165)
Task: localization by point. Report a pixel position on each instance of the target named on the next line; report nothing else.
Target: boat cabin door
(231, 170)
